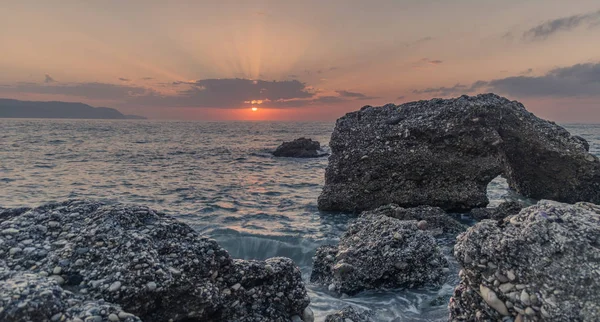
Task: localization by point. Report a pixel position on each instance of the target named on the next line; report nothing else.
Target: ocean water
(217, 177)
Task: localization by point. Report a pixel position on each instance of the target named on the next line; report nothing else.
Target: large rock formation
(379, 252)
(299, 148)
(540, 265)
(147, 263)
(444, 153)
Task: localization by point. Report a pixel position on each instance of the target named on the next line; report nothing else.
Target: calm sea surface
(218, 178)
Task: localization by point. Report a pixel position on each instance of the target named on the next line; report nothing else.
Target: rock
(433, 219)
(31, 297)
(299, 148)
(445, 152)
(551, 254)
(349, 313)
(379, 252)
(130, 250)
(505, 209)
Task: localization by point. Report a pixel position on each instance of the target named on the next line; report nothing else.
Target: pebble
(57, 270)
(114, 286)
(422, 225)
(506, 287)
(492, 300)
(511, 275)
(529, 311)
(524, 298)
(113, 317)
(151, 286)
(236, 286)
(58, 279)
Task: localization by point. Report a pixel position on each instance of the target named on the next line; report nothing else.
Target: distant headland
(10, 108)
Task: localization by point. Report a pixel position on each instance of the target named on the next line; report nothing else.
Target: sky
(300, 60)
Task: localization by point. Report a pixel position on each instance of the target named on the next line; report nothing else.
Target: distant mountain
(10, 108)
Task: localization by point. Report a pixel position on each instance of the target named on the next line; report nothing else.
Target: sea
(220, 178)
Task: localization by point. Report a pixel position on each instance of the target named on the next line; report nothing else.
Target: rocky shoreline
(404, 170)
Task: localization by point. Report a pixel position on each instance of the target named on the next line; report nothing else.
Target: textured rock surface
(299, 148)
(379, 252)
(444, 153)
(148, 263)
(540, 265)
(31, 297)
(347, 314)
(432, 219)
(505, 209)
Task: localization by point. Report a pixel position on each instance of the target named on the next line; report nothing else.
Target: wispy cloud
(550, 27)
(124, 79)
(581, 80)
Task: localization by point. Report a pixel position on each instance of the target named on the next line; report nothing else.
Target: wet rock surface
(299, 148)
(32, 297)
(444, 153)
(147, 263)
(542, 264)
(347, 314)
(505, 209)
(379, 252)
(432, 219)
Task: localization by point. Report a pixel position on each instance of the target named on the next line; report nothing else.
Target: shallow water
(217, 177)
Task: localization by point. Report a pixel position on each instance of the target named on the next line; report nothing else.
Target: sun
(254, 109)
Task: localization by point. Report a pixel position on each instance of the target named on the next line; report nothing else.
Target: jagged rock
(505, 209)
(543, 263)
(148, 263)
(347, 314)
(31, 297)
(444, 153)
(433, 219)
(299, 148)
(379, 252)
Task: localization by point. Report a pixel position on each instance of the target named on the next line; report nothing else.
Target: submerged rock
(299, 148)
(505, 209)
(148, 263)
(444, 153)
(542, 264)
(432, 219)
(347, 314)
(379, 252)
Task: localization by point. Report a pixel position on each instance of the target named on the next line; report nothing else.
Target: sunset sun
(254, 109)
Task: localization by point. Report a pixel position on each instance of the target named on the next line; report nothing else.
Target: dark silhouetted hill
(10, 108)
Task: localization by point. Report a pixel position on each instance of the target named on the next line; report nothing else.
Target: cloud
(124, 79)
(550, 27)
(213, 93)
(81, 90)
(147, 78)
(527, 72)
(354, 95)
(293, 76)
(49, 79)
(581, 80)
(425, 62)
(226, 93)
(401, 97)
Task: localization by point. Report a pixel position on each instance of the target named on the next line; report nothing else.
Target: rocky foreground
(542, 264)
(444, 152)
(88, 261)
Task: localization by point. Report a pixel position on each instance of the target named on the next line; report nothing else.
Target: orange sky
(306, 60)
